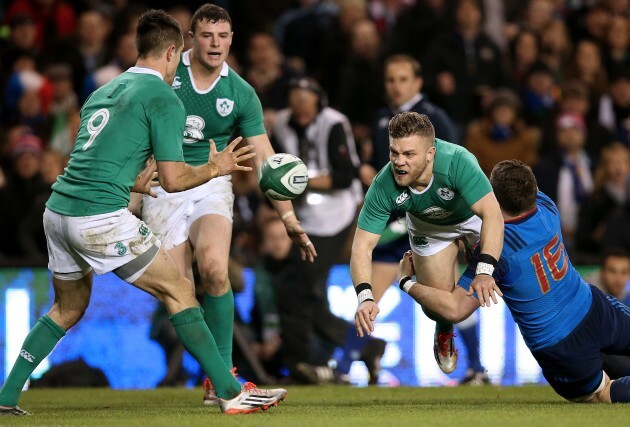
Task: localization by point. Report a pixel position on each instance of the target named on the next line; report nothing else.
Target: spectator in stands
(403, 90)
(54, 19)
(463, 66)
(21, 40)
(89, 49)
(565, 175)
(524, 52)
(359, 96)
(590, 22)
(125, 56)
(322, 138)
(538, 15)
(183, 16)
(614, 107)
(611, 191)
(22, 200)
(539, 94)
(502, 134)
(574, 98)
(617, 52)
(268, 74)
(423, 20)
(588, 68)
(614, 279)
(556, 47)
(302, 34)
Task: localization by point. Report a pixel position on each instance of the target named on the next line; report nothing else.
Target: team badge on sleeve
(224, 106)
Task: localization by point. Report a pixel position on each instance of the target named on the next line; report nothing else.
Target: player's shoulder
(448, 154)
(384, 181)
(545, 205)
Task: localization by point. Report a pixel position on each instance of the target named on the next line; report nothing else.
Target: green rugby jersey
(457, 183)
(231, 104)
(122, 124)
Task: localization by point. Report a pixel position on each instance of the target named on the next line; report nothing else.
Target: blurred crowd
(544, 81)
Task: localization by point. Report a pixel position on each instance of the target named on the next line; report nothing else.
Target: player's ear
(170, 52)
(431, 153)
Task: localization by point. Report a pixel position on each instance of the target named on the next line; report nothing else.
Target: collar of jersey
(523, 217)
(414, 191)
(186, 60)
(145, 70)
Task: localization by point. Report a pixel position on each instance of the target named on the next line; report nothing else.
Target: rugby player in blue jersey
(565, 322)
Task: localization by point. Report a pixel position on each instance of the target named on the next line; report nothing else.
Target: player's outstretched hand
(227, 161)
(486, 288)
(405, 267)
(300, 238)
(364, 318)
(147, 179)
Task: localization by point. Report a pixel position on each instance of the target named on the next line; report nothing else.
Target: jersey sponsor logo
(445, 193)
(26, 355)
(176, 83)
(143, 230)
(404, 196)
(120, 248)
(193, 131)
(224, 106)
(436, 212)
(420, 241)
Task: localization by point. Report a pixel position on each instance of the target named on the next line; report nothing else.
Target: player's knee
(214, 278)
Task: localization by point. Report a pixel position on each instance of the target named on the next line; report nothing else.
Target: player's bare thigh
(182, 255)
(211, 237)
(163, 280)
(437, 270)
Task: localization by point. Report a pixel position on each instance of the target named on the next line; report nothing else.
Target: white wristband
(365, 295)
(408, 284)
(484, 268)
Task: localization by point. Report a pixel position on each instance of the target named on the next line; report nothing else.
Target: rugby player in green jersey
(88, 227)
(446, 197)
(198, 222)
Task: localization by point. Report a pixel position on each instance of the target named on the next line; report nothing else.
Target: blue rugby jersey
(546, 295)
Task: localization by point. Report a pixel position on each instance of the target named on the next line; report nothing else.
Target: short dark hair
(614, 253)
(415, 65)
(156, 31)
(514, 186)
(403, 125)
(211, 13)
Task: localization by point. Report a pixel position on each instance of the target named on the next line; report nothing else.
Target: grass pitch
(320, 406)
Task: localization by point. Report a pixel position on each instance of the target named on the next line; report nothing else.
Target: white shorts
(171, 215)
(116, 241)
(428, 239)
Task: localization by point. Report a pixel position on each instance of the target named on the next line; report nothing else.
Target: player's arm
(179, 176)
(452, 306)
(491, 242)
(363, 245)
(262, 147)
(474, 187)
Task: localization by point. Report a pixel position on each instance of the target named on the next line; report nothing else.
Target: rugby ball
(283, 176)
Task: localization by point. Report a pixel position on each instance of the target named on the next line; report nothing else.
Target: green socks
(219, 316)
(197, 339)
(39, 342)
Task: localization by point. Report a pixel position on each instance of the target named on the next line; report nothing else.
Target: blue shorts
(391, 252)
(573, 367)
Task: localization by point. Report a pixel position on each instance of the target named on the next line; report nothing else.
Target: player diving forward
(566, 323)
(88, 226)
(446, 197)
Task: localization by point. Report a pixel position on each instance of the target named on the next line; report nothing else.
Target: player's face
(410, 157)
(303, 104)
(211, 43)
(401, 84)
(615, 275)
